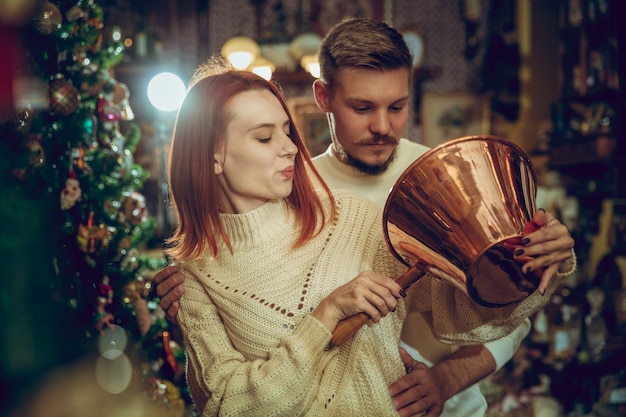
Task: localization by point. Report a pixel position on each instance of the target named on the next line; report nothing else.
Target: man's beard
(367, 168)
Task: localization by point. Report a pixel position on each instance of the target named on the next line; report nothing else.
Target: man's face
(369, 110)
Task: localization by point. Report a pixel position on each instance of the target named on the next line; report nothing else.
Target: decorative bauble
(23, 120)
(108, 112)
(93, 239)
(74, 13)
(36, 153)
(72, 192)
(120, 97)
(64, 97)
(135, 208)
(48, 19)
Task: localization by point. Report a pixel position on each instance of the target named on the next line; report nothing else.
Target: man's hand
(418, 391)
(169, 288)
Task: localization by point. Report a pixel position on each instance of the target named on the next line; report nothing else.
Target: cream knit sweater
(254, 349)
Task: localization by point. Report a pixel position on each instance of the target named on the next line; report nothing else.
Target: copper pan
(451, 212)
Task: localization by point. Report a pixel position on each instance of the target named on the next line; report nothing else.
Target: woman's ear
(320, 92)
(218, 164)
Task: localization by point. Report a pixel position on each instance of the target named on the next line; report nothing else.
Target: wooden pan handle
(348, 327)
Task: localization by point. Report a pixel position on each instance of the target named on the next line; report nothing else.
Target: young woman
(273, 261)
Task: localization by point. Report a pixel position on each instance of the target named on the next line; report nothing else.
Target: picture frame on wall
(312, 124)
(447, 116)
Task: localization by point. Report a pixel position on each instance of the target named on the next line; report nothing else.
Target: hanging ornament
(117, 141)
(23, 120)
(108, 112)
(93, 239)
(74, 13)
(36, 154)
(72, 192)
(121, 94)
(135, 209)
(96, 23)
(64, 97)
(135, 293)
(78, 159)
(105, 298)
(131, 260)
(169, 354)
(90, 131)
(48, 19)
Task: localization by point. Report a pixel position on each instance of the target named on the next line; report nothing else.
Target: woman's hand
(370, 293)
(546, 248)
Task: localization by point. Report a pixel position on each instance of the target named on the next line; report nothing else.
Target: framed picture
(312, 123)
(447, 116)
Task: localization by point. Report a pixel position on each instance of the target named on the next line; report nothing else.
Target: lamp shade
(241, 51)
(311, 64)
(307, 43)
(263, 67)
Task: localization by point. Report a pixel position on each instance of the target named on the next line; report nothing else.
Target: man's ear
(320, 92)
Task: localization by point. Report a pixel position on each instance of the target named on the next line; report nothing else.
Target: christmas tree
(76, 221)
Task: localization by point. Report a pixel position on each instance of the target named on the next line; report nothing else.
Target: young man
(364, 89)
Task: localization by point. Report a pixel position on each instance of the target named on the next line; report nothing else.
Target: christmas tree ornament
(93, 239)
(72, 192)
(131, 260)
(121, 95)
(23, 120)
(78, 158)
(103, 318)
(74, 13)
(36, 153)
(108, 112)
(97, 24)
(48, 19)
(169, 353)
(117, 141)
(89, 131)
(64, 97)
(135, 293)
(135, 209)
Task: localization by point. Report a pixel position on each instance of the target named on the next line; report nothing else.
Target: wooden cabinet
(588, 139)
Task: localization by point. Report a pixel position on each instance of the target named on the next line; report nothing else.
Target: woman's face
(256, 161)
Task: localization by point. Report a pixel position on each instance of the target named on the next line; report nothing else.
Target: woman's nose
(288, 147)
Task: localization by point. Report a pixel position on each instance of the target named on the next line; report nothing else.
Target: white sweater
(418, 340)
(252, 347)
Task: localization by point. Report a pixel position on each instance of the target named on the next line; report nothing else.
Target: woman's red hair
(199, 130)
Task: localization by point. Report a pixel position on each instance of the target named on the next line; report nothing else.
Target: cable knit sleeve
(456, 319)
(222, 381)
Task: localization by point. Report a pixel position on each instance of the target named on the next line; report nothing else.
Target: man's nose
(380, 123)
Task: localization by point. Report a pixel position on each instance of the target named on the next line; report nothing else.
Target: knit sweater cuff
(313, 334)
(568, 267)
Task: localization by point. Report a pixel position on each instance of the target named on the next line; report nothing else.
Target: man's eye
(264, 140)
(361, 109)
